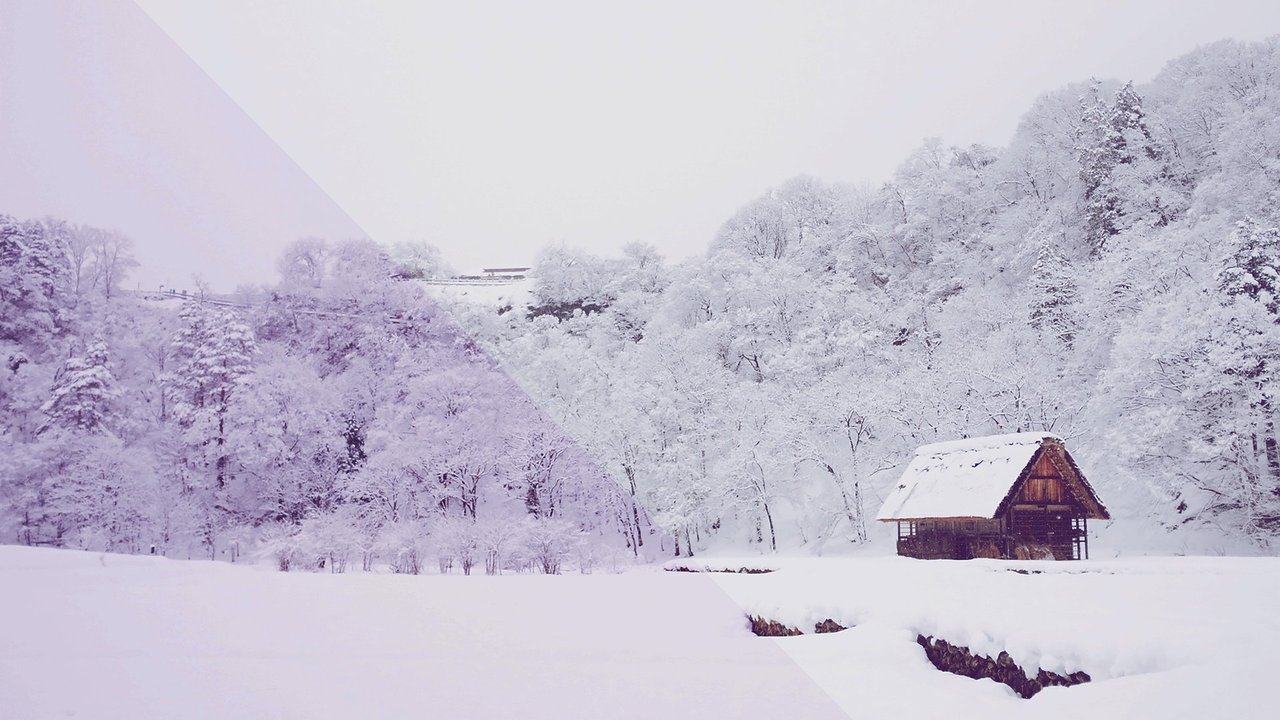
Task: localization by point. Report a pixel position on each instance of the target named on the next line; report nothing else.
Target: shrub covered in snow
(455, 539)
(331, 539)
(281, 544)
(549, 542)
(404, 546)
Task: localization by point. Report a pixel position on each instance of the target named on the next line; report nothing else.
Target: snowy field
(89, 635)
(1168, 637)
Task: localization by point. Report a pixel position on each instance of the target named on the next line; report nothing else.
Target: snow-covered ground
(1162, 637)
(89, 635)
(109, 636)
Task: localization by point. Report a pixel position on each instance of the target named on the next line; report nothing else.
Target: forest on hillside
(337, 417)
(1109, 276)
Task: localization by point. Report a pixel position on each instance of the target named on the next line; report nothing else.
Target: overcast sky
(494, 129)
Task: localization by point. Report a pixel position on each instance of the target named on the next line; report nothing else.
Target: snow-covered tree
(33, 275)
(212, 353)
(83, 391)
(549, 542)
(1101, 146)
(419, 261)
(304, 262)
(1054, 296)
(1253, 269)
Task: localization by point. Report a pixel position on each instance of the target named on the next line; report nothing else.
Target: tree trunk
(861, 524)
(635, 509)
(773, 537)
(1272, 452)
(855, 518)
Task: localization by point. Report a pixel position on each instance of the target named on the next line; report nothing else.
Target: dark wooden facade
(1044, 516)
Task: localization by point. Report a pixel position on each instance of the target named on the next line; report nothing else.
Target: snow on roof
(961, 478)
(517, 294)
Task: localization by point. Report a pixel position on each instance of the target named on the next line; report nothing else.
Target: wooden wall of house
(953, 539)
(1042, 510)
(932, 546)
(1044, 526)
(1044, 484)
(1032, 533)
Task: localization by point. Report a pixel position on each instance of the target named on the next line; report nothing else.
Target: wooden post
(1086, 537)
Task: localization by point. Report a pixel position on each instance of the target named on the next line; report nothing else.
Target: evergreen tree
(1099, 147)
(1252, 273)
(1253, 270)
(82, 391)
(353, 436)
(1054, 296)
(33, 271)
(1119, 161)
(214, 352)
(1146, 183)
(1129, 137)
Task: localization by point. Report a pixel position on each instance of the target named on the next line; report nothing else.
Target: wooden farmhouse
(1015, 496)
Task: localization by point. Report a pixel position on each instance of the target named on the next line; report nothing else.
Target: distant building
(493, 276)
(509, 273)
(1004, 496)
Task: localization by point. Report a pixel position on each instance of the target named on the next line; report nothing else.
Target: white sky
(494, 129)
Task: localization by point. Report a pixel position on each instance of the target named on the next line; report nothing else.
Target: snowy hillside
(339, 413)
(1110, 275)
(109, 636)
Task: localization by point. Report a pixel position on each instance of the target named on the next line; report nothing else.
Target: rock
(828, 626)
(771, 628)
(1004, 669)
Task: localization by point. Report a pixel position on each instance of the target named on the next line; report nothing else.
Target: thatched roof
(974, 478)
